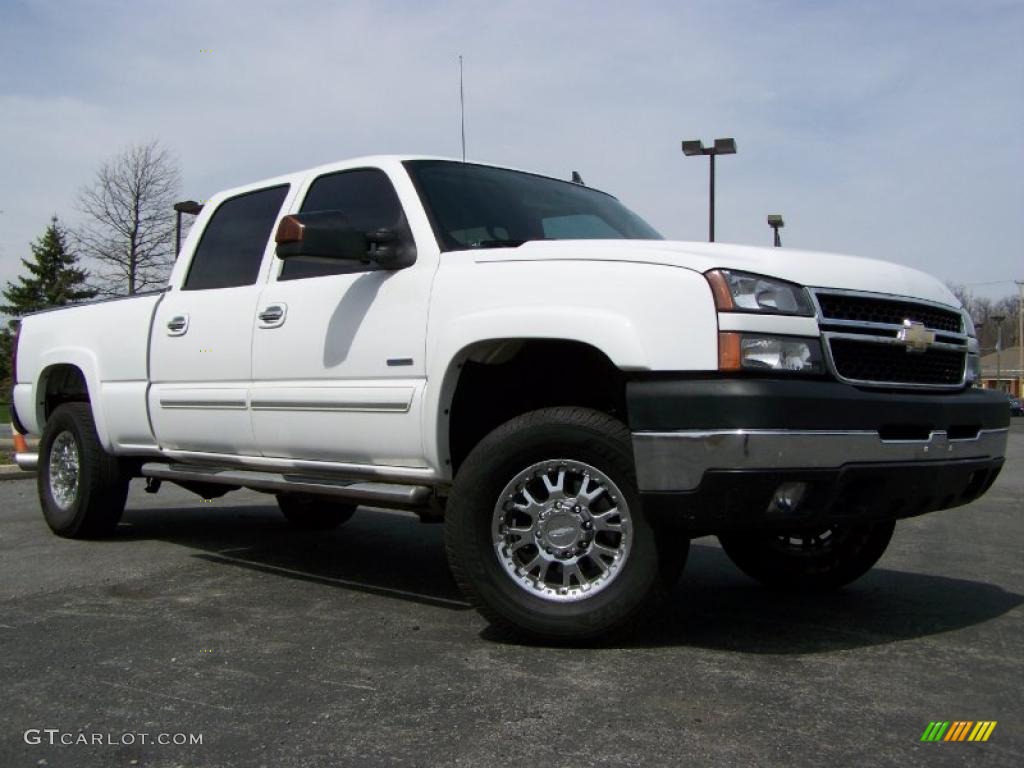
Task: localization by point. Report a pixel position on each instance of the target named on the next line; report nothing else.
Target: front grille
(867, 361)
(864, 309)
(862, 334)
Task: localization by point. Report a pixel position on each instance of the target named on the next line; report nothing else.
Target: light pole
(186, 206)
(1020, 340)
(693, 147)
(998, 320)
(776, 223)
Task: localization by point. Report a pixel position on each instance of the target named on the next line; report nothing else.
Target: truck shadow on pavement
(714, 606)
(387, 554)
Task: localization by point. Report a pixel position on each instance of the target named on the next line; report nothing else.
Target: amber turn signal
(729, 352)
(720, 290)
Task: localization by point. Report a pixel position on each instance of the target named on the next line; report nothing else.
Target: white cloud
(889, 130)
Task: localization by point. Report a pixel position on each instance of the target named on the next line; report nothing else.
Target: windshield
(477, 206)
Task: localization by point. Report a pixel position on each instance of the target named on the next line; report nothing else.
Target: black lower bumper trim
(665, 403)
(738, 500)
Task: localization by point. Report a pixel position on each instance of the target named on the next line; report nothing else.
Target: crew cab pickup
(528, 361)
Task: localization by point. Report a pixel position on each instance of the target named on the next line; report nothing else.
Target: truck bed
(109, 341)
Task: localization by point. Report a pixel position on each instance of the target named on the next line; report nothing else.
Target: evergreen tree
(6, 385)
(53, 279)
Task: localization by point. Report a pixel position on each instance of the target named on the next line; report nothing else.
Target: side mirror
(321, 235)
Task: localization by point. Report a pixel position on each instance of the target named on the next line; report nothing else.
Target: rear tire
(813, 560)
(82, 488)
(314, 513)
(534, 508)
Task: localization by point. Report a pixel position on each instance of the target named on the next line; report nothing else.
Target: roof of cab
(382, 161)
(338, 165)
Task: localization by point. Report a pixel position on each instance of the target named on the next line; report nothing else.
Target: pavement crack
(164, 695)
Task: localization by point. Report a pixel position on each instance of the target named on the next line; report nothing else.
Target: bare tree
(1007, 308)
(982, 310)
(963, 293)
(129, 228)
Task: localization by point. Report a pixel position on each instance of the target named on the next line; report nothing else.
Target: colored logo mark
(959, 730)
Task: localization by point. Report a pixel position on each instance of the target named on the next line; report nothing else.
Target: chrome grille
(861, 336)
(868, 361)
(871, 310)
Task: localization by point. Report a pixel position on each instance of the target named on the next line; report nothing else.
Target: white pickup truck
(527, 360)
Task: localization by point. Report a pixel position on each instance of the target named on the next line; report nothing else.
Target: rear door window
(231, 249)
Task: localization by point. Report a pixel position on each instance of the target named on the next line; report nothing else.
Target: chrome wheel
(810, 559)
(64, 470)
(806, 543)
(562, 530)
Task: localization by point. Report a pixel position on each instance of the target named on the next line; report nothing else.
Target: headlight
(743, 292)
(776, 354)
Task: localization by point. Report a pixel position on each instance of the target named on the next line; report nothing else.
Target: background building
(1002, 370)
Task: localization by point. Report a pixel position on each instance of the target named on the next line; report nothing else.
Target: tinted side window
(231, 248)
(369, 202)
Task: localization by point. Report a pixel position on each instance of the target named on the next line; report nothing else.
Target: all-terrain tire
(82, 488)
(810, 561)
(569, 453)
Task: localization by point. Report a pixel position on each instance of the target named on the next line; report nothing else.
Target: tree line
(984, 313)
(124, 243)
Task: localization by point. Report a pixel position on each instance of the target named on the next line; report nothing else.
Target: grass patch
(5, 418)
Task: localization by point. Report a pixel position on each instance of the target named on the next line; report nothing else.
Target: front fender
(614, 334)
(642, 317)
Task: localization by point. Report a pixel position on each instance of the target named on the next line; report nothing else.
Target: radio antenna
(462, 109)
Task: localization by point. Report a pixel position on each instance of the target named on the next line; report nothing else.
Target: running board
(379, 494)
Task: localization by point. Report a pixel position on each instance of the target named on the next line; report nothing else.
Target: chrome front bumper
(678, 460)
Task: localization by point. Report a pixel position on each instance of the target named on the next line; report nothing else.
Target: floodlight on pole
(190, 207)
(693, 147)
(776, 223)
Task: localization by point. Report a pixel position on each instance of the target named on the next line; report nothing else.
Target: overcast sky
(888, 129)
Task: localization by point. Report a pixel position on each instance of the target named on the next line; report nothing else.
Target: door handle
(177, 325)
(273, 315)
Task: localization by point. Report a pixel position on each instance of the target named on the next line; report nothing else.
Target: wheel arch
(69, 376)
(465, 378)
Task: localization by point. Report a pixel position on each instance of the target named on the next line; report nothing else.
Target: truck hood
(809, 268)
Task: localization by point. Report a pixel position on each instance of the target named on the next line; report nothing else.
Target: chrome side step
(380, 494)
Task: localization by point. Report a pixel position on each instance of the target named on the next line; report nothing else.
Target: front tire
(82, 488)
(314, 513)
(545, 533)
(812, 560)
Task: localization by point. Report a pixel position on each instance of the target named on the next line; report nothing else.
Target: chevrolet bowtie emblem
(915, 336)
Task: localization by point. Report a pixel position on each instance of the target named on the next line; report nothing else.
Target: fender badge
(915, 336)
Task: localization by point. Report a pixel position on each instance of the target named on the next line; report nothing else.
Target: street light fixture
(693, 147)
(190, 207)
(776, 223)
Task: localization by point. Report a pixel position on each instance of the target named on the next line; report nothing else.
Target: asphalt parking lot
(354, 648)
